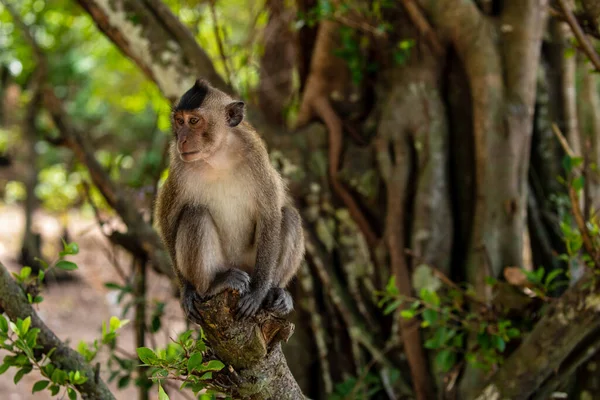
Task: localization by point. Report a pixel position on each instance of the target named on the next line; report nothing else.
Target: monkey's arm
(268, 231)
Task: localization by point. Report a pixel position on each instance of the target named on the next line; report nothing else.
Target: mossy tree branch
(566, 323)
(14, 302)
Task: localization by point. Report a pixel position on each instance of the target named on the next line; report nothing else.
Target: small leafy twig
(574, 198)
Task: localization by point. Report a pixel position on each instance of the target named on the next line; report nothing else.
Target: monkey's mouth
(189, 155)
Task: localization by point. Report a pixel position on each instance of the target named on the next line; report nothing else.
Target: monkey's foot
(279, 302)
(249, 304)
(189, 299)
(233, 278)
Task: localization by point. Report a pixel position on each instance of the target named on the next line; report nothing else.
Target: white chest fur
(230, 198)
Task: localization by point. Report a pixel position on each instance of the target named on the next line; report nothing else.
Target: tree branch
(15, 304)
(156, 41)
(423, 26)
(255, 367)
(565, 324)
(146, 236)
(580, 35)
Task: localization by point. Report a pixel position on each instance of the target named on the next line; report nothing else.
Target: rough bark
(565, 324)
(15, 304)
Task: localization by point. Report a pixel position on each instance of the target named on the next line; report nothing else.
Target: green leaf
(207, 375)
(484, 340)
(499, 343)
(195, 362)
(551, 276)
(40, 385)
(43, 263)
(214, 365)
(66, 265)
(513, 333)
(458, 341)
(147, 355)
(445, 359)
(430, 297)
(3, 324)
(124, 381)
(72, 248)
(392, 306)
(25, 326)
(407, 314)
(19, 375)
(391, 287)
(54, 389)
(25, 272)
(578, 183)
(59, 376)
(430, 316)
(3, 368)
(115, 323)
(72, 394)
(162, 395)
(567, 163)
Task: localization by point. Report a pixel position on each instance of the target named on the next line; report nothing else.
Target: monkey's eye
(193, 121)
(180, 121)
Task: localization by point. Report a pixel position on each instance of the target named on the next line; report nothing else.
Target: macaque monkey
(224, 212)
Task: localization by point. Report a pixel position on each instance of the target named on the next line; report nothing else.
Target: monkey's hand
(279, 302)
(233, 278)
(249, 304)
(189, 299)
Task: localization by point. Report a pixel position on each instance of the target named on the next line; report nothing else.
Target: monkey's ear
(235, 113)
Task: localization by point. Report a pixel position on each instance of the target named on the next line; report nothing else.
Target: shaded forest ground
(74, 309)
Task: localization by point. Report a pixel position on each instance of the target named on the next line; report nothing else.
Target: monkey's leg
(279, 300)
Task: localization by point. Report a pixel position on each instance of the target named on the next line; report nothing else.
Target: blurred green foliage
(106, 95)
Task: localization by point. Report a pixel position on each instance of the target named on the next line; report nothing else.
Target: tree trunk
(31, 247)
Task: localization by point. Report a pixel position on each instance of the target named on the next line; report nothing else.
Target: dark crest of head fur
(194, 97)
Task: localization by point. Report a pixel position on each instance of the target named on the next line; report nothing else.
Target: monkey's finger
(246, 308)
(193, 315)
(192, 312)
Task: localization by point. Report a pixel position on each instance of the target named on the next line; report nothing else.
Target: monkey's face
(197, 136)
(202, 120)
